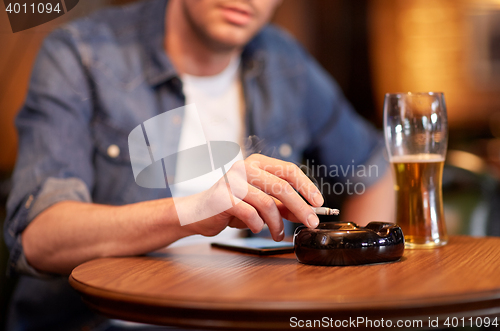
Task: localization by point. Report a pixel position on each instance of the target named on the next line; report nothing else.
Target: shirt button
(285, 150)
(113, 151)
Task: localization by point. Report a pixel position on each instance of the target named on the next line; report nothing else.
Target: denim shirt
(99, 77)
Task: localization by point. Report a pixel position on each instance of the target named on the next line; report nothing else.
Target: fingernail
(281, 235)
(318, 199)
(313, 221)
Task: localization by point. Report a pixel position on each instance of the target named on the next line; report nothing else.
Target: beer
(419, 200)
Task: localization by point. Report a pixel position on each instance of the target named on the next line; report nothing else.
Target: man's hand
(262, 191)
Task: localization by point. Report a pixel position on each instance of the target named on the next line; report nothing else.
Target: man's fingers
(248, 215)
(237, 223)
(287, 171)
(284, 192)
(269, 212)
(285, 212)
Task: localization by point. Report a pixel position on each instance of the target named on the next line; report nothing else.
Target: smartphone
(259, 246)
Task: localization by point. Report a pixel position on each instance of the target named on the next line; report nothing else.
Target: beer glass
(416, 136)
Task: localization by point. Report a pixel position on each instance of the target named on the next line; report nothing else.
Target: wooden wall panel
(420, 45)
(17, 53)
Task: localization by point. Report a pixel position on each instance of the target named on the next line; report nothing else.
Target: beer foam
(417, 158)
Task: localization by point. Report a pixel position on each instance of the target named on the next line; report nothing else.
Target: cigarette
(325, 211)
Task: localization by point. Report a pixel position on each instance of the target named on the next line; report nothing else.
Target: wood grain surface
(200, 286)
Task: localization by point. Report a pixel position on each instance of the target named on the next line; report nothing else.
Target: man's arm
(69, 233)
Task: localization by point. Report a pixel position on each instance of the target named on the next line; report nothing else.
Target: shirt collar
(253, 56)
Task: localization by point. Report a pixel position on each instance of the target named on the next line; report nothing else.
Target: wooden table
(205, 287)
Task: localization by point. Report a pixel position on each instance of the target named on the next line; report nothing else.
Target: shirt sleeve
(54, 161)
(349, 146)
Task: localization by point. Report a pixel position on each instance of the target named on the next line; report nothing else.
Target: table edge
(290, 306)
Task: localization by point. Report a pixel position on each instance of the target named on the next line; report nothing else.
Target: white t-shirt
(219, 101)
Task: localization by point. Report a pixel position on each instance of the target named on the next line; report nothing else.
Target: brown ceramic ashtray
(342, 244)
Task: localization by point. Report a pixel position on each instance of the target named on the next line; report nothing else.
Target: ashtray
(346, 243)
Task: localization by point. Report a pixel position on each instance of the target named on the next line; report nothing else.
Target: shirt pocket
(114, 179)
(113, 173)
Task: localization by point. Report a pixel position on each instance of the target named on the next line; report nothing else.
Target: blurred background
(370, 47)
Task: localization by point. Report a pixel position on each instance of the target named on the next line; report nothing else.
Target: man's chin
(232, 39)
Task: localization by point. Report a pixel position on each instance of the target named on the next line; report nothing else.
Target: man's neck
(186, 49)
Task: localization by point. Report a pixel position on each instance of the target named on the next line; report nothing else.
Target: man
(96, 79)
